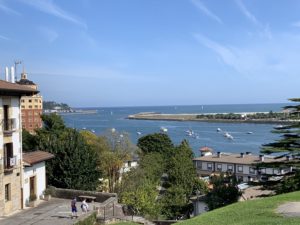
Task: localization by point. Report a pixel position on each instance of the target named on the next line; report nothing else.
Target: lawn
(253, 212)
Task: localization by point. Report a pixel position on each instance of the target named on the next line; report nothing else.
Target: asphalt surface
(54, 212)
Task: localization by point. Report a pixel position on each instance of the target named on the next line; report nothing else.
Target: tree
(224, 192)
(75, 163)
(287, 145)
(157, 142)
(29, 141)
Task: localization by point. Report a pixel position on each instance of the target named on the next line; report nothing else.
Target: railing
(9, 125)
(10, 163)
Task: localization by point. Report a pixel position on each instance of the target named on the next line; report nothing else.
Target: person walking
(74, 208)
(84, 206)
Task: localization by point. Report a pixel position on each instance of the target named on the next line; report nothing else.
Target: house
(242, 165)
(11, 169)
(31, 106)
(34, 174)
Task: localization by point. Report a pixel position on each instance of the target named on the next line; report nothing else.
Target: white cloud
(49, 34)
(199, 5)
(264, 30)
(8, 10)
(49, 7)
(4, 38)
(262, 58)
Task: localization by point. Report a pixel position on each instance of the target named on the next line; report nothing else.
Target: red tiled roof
(16, 88)
(30, 158)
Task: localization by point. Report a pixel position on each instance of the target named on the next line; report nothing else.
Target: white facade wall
(39, 171)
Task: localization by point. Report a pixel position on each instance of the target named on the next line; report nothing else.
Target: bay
(246, 136)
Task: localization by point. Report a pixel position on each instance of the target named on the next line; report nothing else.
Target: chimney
(6, 74)
(219, 154)
(248, 153)
(12, 74)
(242, 154)
(261, 158)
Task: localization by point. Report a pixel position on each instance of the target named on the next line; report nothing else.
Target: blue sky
(155, 52)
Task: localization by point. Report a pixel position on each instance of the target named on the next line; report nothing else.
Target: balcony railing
(9, 125)
(10, 163)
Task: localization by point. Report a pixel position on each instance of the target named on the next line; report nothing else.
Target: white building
(242, 165)
(34, 174)
(11, 169)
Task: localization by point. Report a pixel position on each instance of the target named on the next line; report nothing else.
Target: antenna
(16, 63)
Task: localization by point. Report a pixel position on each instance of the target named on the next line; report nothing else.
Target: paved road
(53, 212)
(290, 209)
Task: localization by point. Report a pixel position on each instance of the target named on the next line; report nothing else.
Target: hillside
(252, 212)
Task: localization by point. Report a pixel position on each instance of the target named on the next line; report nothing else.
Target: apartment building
(11, 171)
(242, 165)
(31, 106)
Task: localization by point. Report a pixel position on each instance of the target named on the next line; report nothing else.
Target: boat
(84, 128)
(93, 131)
(249, 132)
(219, 129)
(163, 129)
(279, 127)
(227, 135)
(139, 133)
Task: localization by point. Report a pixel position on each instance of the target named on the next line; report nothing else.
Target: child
(84, 206)
(74, 208)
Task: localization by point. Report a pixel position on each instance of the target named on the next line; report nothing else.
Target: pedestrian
(73, 207)
(84, 206)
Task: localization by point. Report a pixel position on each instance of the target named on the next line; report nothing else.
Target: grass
(253, 212)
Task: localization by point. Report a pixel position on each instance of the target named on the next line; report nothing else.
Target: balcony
(9, 164)
(9, 126)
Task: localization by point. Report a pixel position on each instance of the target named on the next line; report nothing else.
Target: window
(219, 167)
(209, 166)
(29, 100)
(199, 165)
(229, 168)
(8, 156)
(23, 107)
(240, 169)
(22, 100)
(29, 113)
(30, 107)
(35, 100)
(7, 192)
(251, 170)
(36, 106)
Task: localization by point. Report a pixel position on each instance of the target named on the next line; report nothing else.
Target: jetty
(244, 117)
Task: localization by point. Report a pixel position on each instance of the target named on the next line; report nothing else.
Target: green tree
(157, 142)
(29, 142)
(224, 192)
(75, 163)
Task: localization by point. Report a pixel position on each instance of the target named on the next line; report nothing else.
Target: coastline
(193, 117)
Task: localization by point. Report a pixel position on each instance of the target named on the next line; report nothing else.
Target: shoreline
(193, 117)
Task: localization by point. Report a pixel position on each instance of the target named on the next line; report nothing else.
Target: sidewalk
(54, 212)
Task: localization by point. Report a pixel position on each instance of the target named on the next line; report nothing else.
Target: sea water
(247, 137)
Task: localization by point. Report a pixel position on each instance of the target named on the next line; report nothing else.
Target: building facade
(11, 171)
(242, 165)
(34, 174)
(31, 106)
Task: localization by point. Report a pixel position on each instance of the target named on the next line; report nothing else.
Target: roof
(30, 158)
(25, 82)
(206, 149)
(8, 88)
(237, 159)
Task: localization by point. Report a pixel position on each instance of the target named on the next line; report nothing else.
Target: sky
(93, 53)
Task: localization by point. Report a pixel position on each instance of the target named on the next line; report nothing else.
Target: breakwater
(245, 117)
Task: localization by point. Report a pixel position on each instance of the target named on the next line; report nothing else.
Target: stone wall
(71, 193)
